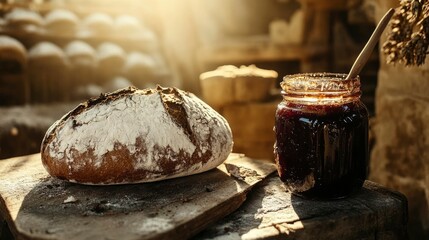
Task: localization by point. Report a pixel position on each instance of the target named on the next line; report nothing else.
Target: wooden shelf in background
(256, 50)
(330, 4)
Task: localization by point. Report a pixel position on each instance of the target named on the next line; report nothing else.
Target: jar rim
(320, 86)
(331, 75)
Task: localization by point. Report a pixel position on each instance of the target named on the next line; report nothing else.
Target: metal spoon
(369, 47)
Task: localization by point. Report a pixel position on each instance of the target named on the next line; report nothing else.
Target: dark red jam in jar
(321, 132)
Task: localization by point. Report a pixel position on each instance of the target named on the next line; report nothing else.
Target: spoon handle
(369, 47)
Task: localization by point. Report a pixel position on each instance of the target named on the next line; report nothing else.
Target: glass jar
(321, 130)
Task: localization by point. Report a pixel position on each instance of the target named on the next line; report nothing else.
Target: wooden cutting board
(37, 206)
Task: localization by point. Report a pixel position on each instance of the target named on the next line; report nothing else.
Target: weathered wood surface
(270, 212)
(37, 206)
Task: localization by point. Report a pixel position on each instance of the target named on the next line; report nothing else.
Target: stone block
(418, 207)
(411, 81)
(400, 157)
(401, 130)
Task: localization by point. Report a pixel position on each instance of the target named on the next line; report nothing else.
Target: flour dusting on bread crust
(136, 135)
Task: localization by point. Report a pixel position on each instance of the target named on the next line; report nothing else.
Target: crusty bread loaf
(98, 24)
(61, 22)
(132, 136)
(230, 84)
(23, 19)
(48, 76)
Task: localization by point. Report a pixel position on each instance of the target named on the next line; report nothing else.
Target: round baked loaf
(132, 136)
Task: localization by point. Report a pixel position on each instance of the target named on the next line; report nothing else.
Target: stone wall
(400, 157)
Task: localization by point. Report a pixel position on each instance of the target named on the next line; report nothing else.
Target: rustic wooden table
(270, 212)
(38, 207)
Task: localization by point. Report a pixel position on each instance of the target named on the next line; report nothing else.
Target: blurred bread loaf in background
(230, 84)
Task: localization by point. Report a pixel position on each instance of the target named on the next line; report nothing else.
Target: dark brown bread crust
(120, 170)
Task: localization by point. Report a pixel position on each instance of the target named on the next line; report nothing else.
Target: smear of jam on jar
(322, 150)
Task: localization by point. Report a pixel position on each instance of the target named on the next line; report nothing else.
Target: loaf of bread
(23, 20)
(61, 22)
(132, 136)
(98, 24)
(48, 76)
(13, 80)
(230, 84)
